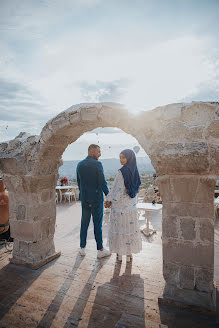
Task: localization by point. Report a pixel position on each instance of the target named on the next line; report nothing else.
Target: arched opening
(112, 141)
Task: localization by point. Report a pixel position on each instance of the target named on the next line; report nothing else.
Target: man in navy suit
(92, 185)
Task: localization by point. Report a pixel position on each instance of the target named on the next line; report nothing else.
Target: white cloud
(10, 129)
(102, 91)
(157, 74)
(207, 90)
(110, 147)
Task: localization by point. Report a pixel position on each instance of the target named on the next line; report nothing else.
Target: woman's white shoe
(119, 257)
(128, 258)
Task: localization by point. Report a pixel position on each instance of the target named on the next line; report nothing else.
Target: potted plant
(64, 181)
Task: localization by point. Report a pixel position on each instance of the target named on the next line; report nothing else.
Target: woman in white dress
(124, 234)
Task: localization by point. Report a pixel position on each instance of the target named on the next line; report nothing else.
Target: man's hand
(107, 204)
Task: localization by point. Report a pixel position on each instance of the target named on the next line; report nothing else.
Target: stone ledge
(38, 265)
(171, 302)
(191, 299)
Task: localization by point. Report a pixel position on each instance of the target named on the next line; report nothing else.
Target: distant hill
(110, 166)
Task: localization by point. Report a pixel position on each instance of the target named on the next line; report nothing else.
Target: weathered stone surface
(214, 158)
(206, 230)
(21, 250)
(24, 198)
(170, 227)
(187, 277)
(74, 117)
(38, 183)
(188, 210)
(33, 252)
(187, 226)
(53, 151)
(205, 190)
(204, 279)
(188, 296)
(47, 195)
(89, 114)
(29, 184)
(13, 183)
(171, 273)
(178, 188)
(106, 115)
(197, 114)
(21, 212)
(163, 182)
(187, 253)
(11, 165)
(182, 158)
(41, 249)
(26, 231)
(42, 211)
(213, 130)
(183, 188)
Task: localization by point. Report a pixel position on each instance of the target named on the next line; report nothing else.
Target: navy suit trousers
(96, 210)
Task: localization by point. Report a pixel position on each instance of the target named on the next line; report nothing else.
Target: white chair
(60, 195)
(69, 195)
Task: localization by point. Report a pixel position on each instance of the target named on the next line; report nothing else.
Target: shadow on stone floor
(76, 314)
(81, 302)
(114, 304)
(14, 282)
(54, 307)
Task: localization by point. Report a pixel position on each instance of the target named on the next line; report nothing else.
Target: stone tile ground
(85, 292)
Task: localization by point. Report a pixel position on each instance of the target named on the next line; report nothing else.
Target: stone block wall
(188, 237)
(32, 217)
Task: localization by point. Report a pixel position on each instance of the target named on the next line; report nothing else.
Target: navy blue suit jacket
(91, 180)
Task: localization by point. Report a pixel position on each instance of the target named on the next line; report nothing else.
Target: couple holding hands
(124, 234)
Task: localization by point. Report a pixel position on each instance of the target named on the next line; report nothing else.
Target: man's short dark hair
(93, 146)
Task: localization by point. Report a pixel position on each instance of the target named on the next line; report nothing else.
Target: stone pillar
(32, 211)
(188, 238)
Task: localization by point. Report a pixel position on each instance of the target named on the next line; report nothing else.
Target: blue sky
(144, 54)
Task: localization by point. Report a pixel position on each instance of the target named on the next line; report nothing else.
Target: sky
(142, 53)
(107, 139)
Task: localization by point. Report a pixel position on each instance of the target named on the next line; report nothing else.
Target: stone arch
(182, 141)
(69, 125)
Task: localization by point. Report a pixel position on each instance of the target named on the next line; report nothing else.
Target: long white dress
(124, 235)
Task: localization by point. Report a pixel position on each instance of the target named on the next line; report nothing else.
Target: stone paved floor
(85, 292)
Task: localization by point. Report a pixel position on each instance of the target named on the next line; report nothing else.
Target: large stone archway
(182, 141)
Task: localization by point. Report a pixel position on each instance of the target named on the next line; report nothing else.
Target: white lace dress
(124, 235)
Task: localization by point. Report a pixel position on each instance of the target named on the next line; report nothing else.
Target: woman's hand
(107, 204)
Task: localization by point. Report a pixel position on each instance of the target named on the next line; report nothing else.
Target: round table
(148, 207)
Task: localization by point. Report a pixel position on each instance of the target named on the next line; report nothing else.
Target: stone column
(188, 238)
(32, 211)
